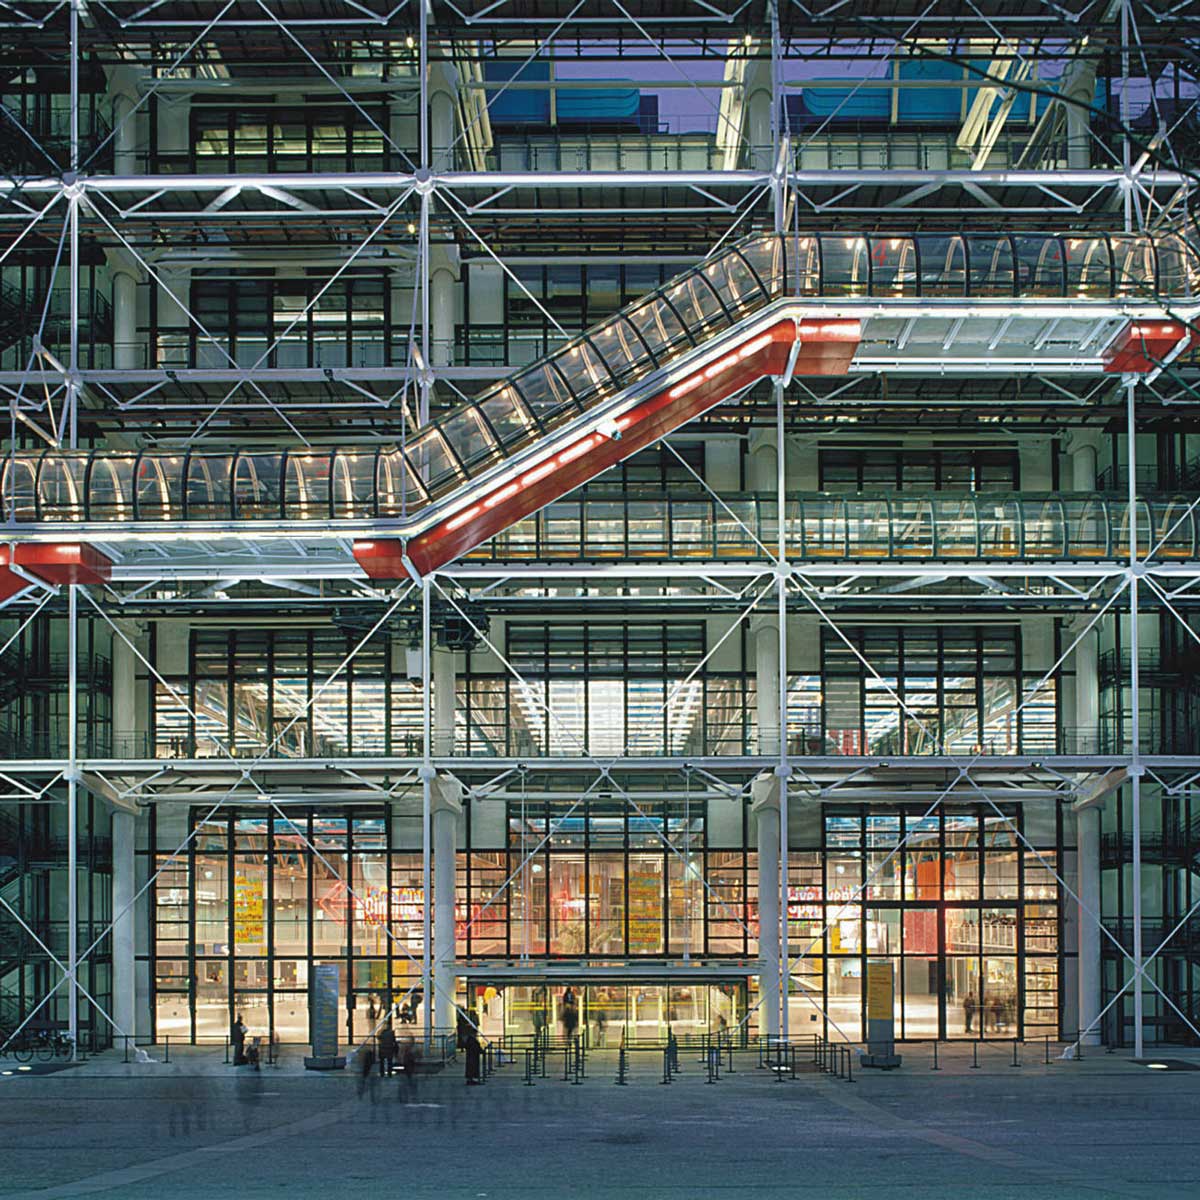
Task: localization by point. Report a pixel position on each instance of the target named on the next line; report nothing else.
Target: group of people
(991, 1014)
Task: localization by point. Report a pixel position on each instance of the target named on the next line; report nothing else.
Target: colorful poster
(248, 925)
(645, 913)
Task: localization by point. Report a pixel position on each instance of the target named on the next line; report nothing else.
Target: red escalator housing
(827, 348)
(1143, 345)
(10, 582)
(64, 562)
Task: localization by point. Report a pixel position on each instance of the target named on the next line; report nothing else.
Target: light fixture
(1157, 1067)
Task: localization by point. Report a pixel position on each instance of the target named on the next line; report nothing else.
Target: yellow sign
(248, 928)
(879, 991)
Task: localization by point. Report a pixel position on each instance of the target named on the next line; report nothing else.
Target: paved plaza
(1103, 1127)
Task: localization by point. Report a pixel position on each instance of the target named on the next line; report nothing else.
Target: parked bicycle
(46, 1045)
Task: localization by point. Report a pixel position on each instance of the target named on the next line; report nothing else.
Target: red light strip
(721, 365)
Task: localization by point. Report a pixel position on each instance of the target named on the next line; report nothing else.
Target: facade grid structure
(669, 502)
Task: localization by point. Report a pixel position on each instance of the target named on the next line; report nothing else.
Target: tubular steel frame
(1145, 193)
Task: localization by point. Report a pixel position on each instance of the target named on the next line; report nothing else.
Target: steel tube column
(1135, 730)
(427, 776)
(765, 805)
(124, 960)
(72, 816)
(446, 804)
(1084, 446)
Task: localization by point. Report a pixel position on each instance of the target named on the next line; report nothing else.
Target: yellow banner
(248, 927)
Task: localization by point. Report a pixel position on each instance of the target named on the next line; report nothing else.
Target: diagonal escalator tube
(752, 309)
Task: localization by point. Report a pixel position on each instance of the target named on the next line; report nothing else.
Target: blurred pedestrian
(387, 1049)
(474, 1058)
(409, 1064)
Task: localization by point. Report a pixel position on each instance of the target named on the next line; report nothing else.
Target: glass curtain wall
(253, 688)
(595, 880)
(1170, 929)
(258, 899)
(614, 689)
(968, 915)
(932, 690)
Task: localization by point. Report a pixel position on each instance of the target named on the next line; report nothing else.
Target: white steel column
(765, 807)
(443, 701)
(761, 477)
(123, 88)
(1087, 855)
(427, 775)
(446, 804)
(124, 304)
(124, 886)
(441, 287)
(767, 682)
(72, 815)
(1135, 729)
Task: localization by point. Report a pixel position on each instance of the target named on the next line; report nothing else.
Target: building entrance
(607, 1012)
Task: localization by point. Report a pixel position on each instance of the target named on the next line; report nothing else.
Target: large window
(927, 690)
(968, 914)
(281, 138)
(598, 688)
(251, 689)
(598, 879)
(893, 469)
(241, 917)
(306, 322)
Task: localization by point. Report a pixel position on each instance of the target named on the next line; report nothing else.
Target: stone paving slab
(1102, 1128)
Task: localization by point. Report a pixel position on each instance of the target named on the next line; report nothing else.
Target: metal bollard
(529, 1068)
(125, 1039)
(578, 1069)
(666, 1065)
(935, 1066)
(975, 1056)
(1047, 1039)
(849, 1065)
(1015, 1062)
(621, 1080)
(167, 1047)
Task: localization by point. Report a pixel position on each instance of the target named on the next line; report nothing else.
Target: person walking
(969, 1011)
(408, 1069)
(365, 1060)
(570, 1015)
(387, 1050)
(237, 1036)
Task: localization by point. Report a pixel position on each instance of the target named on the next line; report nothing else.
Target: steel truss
(354, 213)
